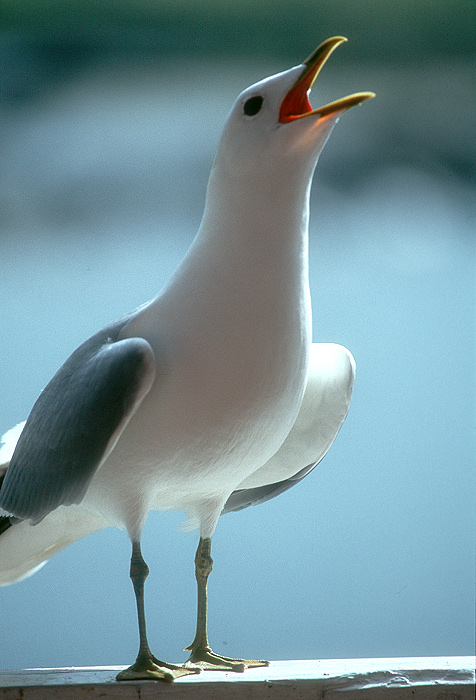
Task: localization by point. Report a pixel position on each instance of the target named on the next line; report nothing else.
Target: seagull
(207, 399)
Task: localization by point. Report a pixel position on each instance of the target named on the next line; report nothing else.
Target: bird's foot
(208, 660)
(151, 669)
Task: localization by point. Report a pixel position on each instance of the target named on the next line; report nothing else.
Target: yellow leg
(147, 667)
(201, 654)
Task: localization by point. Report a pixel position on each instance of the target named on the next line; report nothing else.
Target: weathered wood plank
(427, 678)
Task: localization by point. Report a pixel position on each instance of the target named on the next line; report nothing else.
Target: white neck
(252, 221)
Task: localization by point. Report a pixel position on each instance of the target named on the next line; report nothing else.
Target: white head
(272, 127)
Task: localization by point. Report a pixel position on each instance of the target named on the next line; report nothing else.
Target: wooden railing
(426, 678)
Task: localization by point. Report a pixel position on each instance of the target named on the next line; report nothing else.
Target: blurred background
(110, 114)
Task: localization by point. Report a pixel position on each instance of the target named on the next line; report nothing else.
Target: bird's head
(273, 124)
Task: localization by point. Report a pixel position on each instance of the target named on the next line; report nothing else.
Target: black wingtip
(5, 524)
(5, 521)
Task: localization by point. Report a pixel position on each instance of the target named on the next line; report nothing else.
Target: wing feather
(324, 407)
(75, 423)
(242, 498)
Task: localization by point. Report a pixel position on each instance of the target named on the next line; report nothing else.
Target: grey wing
(324, 407)
(75, 422)
(242, 498)
(5, 521)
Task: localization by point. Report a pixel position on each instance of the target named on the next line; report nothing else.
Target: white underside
(23, 548)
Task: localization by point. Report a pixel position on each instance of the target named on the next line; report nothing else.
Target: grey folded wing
(75, 423)
(5, 521)
(242, 498)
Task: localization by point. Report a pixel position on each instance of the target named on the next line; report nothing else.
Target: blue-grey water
(101, 191)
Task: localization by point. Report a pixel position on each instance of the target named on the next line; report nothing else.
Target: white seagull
(209, 398)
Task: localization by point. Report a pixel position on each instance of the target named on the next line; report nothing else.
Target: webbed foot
(150, 668)
(208, 660)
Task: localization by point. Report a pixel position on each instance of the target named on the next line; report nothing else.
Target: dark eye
(253, 105)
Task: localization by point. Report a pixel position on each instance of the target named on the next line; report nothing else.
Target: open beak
(296, 104)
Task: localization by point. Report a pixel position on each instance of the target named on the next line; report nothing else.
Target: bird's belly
(208, 422)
